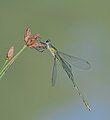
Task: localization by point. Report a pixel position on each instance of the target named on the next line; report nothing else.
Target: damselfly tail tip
(86, 104)
(88, 107)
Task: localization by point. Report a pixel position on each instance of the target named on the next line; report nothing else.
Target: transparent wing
(67, 67)
(54, 72)
(77, 62)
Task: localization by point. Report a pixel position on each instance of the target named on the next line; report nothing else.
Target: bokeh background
(78, 27)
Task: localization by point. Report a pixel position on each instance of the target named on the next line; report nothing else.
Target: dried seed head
(31, 41)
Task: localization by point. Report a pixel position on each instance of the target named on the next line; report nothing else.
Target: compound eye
(47, 41)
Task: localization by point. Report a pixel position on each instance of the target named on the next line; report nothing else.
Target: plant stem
(5, 68)
(4, 65)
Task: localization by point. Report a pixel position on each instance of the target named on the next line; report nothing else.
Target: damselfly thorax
(53, 51)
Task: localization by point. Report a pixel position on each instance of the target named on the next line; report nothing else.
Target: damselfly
(65, 61)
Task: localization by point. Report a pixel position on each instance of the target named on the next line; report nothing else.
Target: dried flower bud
(10, 53)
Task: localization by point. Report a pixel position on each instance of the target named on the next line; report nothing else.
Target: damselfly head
(47, 41)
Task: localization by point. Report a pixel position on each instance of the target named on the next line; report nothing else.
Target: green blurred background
(78, 27)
